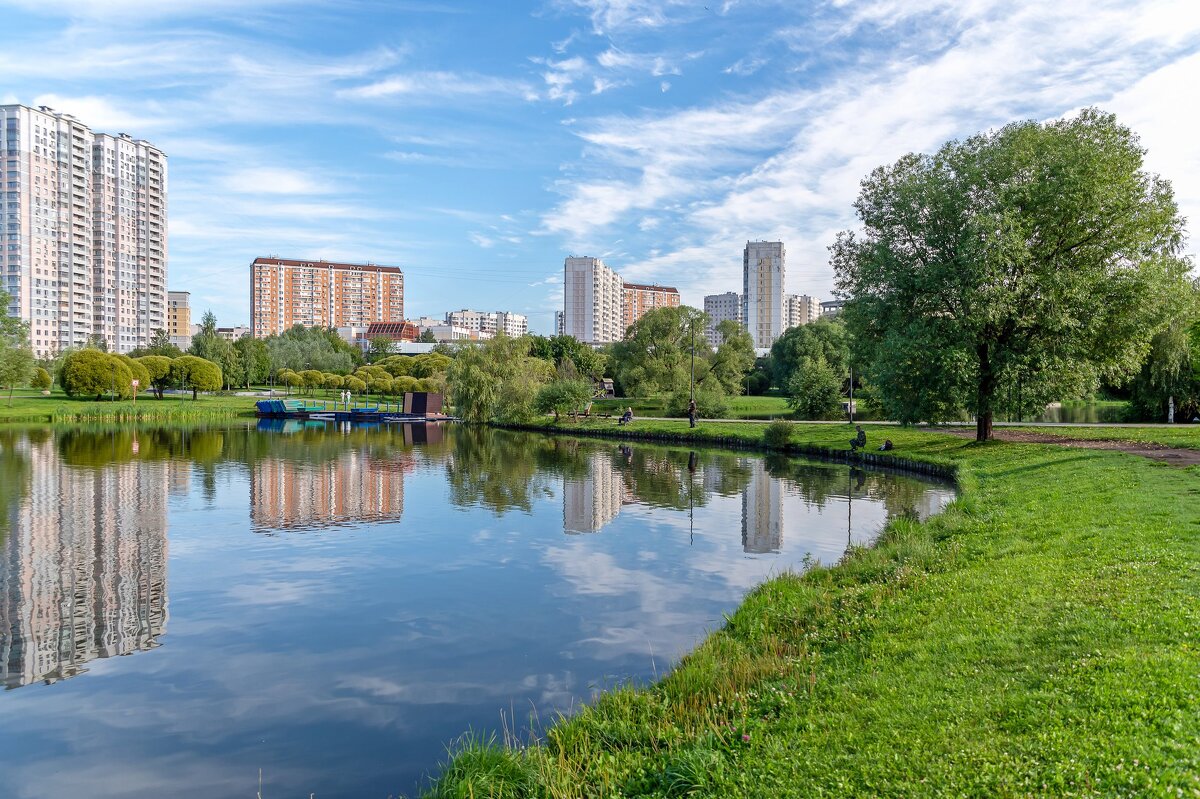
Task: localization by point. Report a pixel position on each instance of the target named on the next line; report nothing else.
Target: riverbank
(33, 407)
(1037, 638)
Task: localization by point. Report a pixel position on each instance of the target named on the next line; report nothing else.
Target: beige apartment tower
(762, 291)
(179, 318)
(637, 298)
(592, 301)
(286, 292)
(800, 309)
(85, 231)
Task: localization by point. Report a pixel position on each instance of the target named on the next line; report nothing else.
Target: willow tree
(1038, 257)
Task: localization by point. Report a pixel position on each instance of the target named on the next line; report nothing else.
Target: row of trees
(93, 373)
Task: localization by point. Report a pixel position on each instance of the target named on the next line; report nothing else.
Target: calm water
(181, 608)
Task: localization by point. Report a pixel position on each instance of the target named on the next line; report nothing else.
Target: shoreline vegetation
(1038, 637)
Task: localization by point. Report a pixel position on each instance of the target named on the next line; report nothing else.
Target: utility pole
(851, 395)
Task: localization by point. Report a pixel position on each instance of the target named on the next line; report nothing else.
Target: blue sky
(475, 144)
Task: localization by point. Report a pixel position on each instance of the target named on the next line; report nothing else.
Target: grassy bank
(768, 407)
(1039, 638)
(32, 407)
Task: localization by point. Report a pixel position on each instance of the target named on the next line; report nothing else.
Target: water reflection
(85, 564)
(445, 574)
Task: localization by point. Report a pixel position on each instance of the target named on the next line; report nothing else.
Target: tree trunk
(193, 393)
(10, 389)
(985, 396)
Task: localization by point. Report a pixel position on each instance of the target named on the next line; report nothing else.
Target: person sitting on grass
(859, 441)
(626, 417)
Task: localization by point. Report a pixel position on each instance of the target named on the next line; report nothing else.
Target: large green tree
(255, 360)
(825, 339)
(196, 373)
(1040, 255)
(16, 355)
(92, 373)
(556, 349)
(734, 357)
(300, 348)
(497, 380)
(159, 369)
(655, 357)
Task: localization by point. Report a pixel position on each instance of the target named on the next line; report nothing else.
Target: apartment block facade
(800, 309)
(763, 272)
(286, 292)
(592, 301)
(721, 308)
(85, 231)
(637, 298)
(510, 324)
(179, 318)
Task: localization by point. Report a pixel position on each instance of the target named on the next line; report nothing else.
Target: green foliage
(354, 385)
(41, 379)
(158, 367)
(333, 381)
(301, 348)
(734, 357)
(1038, 256)
(312, 378)
(558, 349)
(778, 434)
(92, 373)
(655, 355)
(711, 402)
(1169, 373)
(16, 355)
(427, 337)
(138, 370)
(405, 384)
(815, 390)
(397, 365)
(196, 373)
(496, 381)
(160, 344)
(563, 396)
(378, 348)
(254, 359)
(429, 364)
(825, 338)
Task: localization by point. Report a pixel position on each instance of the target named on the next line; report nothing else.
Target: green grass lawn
(29, 405)
(1041, 637)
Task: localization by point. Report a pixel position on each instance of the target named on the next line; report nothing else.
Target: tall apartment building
(592, 301)
(721, 308)
(637, 298)
(511, 324)
(762, 291)
(179, 318)
(800, 309)
(560, 323)
(286, 292)
(85, 231)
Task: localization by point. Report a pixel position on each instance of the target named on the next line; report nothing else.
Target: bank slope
(1038, 638)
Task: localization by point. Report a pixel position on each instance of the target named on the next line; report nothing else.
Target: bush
(778, 434)
(41, 379)
(92, 373)
(159, 369)
(710, 404)
(139, 371)
(815, 390)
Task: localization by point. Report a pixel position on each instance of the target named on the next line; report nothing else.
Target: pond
(181, 608)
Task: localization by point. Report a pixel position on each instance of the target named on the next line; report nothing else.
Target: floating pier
(417, 406)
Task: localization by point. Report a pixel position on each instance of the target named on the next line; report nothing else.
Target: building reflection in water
(762, 511)
(592, 500)
(353, 486)
(84, 570)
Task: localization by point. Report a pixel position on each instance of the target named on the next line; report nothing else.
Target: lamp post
(692, 332)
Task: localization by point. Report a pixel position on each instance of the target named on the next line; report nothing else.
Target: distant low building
(800, 309)
(233, 333)
(721, 308)
(638, 298)
(511, 324)
(832, 307)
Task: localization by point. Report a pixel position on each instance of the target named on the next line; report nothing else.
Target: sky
(476, 144)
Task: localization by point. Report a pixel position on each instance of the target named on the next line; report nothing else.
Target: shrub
(710, 404)
(92, 373)
(159, 369)
(138, 370)
(778, 434)
(41, 379)
(815, 390)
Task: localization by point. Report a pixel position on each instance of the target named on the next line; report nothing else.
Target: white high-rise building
(490, 323)
(800, 309)
(721, 308)
(85, 231)
(762, 291)
(592, 301)
(762, 511)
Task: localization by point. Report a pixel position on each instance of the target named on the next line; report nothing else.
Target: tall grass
(145, 412)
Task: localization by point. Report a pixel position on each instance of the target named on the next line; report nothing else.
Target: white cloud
(788, 163)
(272, 180)
(437, 85)
(100, 114)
